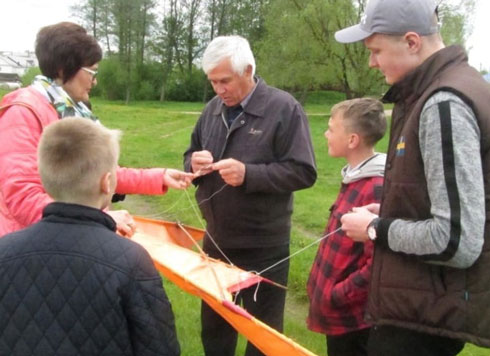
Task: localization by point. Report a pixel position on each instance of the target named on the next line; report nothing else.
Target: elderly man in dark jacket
(251, 149)
(69, 284)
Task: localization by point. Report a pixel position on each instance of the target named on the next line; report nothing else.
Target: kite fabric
(213, 281)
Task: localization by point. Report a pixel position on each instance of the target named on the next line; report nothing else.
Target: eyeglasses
(93, 72)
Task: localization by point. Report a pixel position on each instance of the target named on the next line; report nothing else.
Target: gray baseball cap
(392, 17)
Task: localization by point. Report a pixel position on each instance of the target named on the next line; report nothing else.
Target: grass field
(156, 134)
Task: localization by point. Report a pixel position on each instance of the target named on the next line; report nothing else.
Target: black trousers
(218, 337)
(391, 340)
(348, 344)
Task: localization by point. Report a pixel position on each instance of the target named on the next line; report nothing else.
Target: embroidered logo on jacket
(255, 132)
(400, 147)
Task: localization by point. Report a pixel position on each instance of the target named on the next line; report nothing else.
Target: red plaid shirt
(339, 278)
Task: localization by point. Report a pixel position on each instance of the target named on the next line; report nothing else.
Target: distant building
(487, 77)
(13, 66)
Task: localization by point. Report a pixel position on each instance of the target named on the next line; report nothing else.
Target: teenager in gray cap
(430, 283)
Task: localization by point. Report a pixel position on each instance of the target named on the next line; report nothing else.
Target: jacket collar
(58, 212)
(416, 82)
(256, 104)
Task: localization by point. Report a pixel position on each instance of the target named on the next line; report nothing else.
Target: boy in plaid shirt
(339, 278)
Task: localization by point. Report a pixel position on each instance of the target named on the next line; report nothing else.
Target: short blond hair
(363, 116)
(73, 155)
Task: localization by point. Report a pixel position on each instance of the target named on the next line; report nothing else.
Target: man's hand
(176, 179)
(125, 224)
(231, 170)
(201, 162)
(355, 224)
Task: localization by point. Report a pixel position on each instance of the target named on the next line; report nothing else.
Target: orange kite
(212, 280)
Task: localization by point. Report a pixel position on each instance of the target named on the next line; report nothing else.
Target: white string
(235, 296)
(226, 257)
(257, 290)
(202, 222)
(212, 195)
(163, 213)
(300, 250)
(194, 208)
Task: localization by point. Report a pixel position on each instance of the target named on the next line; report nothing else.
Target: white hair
(235, 48)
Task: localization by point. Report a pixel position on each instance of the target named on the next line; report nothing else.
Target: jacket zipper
(228, 132)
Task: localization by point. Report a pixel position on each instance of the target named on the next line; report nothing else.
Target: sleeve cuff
(382, 231)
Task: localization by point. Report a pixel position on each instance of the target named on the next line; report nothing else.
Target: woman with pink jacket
(68, 58)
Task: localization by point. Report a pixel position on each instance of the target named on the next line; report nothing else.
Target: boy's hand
(355, 223)
(231, 170)
(125, 224)
(176, 179)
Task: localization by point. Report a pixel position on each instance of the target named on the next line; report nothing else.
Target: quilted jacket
(23, 115)
(71, 286)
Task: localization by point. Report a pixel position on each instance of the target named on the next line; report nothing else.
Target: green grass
(3, 92)
(157, 134)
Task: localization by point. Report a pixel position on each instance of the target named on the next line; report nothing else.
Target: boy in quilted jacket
(339, 278)
(69, 284)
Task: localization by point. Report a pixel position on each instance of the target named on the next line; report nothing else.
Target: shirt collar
(247, 98)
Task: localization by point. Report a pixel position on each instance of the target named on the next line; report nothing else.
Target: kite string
(202, 222)
(287, 258)
(299, 251)
(226, 257)
(165, 212)
(206, 259)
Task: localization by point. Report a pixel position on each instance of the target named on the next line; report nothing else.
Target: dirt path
(136, 205)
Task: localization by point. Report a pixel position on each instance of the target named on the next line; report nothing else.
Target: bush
(29, 75)
(184, 87)
(111, 80)
(146, 83)
(325, 97)
(145, 91)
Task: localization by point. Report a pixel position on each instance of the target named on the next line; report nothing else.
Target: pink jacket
(23, 115)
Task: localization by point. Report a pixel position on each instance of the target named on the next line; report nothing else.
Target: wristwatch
(371, 229)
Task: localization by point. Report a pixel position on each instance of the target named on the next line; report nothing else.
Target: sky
(21, 19)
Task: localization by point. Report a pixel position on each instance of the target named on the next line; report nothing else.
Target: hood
(374, 166)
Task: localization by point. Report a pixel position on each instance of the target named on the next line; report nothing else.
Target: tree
(299, 50)
(132, 21)
(97, 18)
(167, 41)
(144, 21)
(225, 17)
(293, 41)
(455, 18)
(191, 37)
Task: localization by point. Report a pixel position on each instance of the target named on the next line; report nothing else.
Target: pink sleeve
(22, 195)
(140, 181)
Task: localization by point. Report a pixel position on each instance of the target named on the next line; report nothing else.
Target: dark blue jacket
(71, 286)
